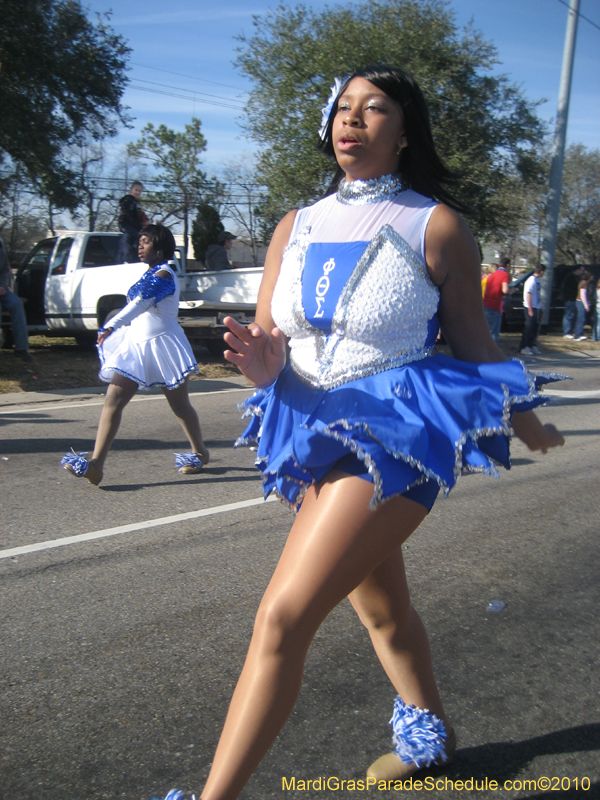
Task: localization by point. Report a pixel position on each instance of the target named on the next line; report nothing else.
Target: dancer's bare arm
(454, 265)
(259, 350)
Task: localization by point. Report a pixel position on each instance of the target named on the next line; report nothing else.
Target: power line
(191, 91)
(192, 77)
(579, 14)
(106, 182)
(186, 97)
(233, 198)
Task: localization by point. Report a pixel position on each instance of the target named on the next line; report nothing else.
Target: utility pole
(558, 157)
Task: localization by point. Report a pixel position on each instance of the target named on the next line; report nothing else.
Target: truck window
(101, 251)
(31, 279)
(40, 257)
(59, 262)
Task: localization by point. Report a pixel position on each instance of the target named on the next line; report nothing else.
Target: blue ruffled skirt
(434, 419)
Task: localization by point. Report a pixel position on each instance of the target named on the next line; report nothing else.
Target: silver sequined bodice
(381, 319)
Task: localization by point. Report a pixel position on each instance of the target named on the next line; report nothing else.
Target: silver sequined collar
(359, 193)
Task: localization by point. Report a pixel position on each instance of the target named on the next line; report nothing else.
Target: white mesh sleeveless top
(353, 295)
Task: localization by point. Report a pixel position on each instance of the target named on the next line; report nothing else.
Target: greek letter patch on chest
(327, 267)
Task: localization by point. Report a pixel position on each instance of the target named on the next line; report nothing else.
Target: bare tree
(22, 211)
(239, 197)
(96, 192)
(579, 223)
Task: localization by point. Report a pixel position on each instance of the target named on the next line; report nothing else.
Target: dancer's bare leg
(179, 401)
(335, 544)
(383, 604)
(119, 393)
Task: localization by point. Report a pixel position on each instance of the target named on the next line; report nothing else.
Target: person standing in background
(596, 321)
(496, 287)
(582, 306)
(484, 276)
(217, 254)
(569, 292)
(131, 221)
(533, 303)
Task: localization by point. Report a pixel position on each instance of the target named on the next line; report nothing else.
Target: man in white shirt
(533, 303)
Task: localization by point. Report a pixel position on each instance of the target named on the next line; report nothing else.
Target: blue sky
(196, 39)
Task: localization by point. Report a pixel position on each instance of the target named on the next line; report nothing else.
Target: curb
(68, 395)
(535, 363)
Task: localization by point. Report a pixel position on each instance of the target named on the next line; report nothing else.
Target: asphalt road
(119, 653)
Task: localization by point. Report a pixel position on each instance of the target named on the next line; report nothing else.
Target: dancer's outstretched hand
(260, 357)
(103, 334)
(552, 438)
(535, 435)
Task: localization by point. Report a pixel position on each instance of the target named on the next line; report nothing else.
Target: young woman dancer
(144, 345)
(364, 425)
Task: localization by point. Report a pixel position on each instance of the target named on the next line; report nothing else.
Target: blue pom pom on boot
(420, 740)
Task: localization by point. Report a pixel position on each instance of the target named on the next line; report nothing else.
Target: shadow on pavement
(208, 475)
(505, 760)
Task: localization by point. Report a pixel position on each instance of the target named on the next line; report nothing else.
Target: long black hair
(420, 166)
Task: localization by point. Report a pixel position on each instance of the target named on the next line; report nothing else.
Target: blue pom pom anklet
(78, 465)
(175, 794)
(190, 463)
(419, 736)
(420, 740)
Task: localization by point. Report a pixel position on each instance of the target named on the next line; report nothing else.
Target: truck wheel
(87, 341)
(112, 313)
(6, 339)
(216, 347)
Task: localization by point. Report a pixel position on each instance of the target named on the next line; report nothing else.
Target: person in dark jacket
(216, 254)
(131, 221)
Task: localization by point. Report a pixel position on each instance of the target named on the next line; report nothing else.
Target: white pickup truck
(72, 284)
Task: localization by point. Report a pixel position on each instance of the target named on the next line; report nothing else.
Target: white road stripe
(42, 406)
(573, 395)
(136, 526)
